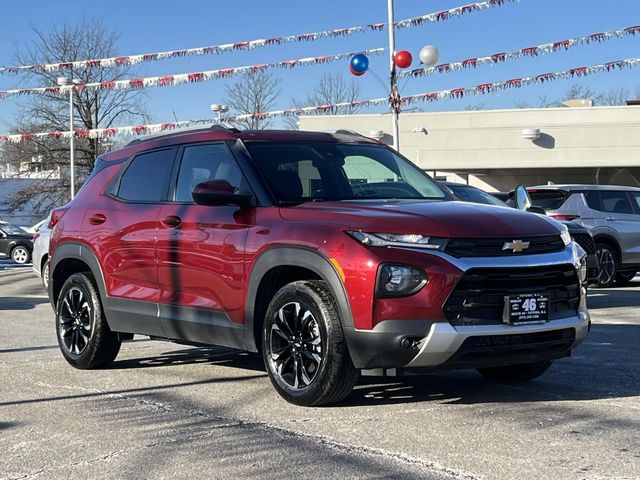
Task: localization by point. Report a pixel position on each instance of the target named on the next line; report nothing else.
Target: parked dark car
(15, 243)
(327, 252)
(580, 234)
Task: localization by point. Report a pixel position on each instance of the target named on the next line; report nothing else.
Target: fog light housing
(399, 280)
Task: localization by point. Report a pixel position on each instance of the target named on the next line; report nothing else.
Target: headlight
(566, 236)
(583, 270)
(399, 280)
(393, 240)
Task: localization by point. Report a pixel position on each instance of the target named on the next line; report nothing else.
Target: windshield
(475, 195)
(313, 171)
(11, 229)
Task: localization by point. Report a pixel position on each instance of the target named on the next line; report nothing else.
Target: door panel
(201, 248)
(201, 261)
(125, 243)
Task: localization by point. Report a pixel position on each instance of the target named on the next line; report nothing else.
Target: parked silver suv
(612, 213)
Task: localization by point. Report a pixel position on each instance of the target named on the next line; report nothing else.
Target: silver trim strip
(444, 339)
(566, 256)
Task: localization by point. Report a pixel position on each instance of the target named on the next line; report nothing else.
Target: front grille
(493, 247)
(585, 241)
(478, 298)
(497, 349)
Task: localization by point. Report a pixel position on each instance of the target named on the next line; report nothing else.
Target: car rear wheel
(625, 277)
(84, 337)
(303, 346)
(515, 373)
(44, 274)
(20, 254)
(608, 265)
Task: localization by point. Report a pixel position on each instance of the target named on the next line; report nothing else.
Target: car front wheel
(608, 265)
(20, 255)
(84, 337)
(304, 349)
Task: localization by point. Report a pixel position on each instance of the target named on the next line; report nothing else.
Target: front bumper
(420, 343)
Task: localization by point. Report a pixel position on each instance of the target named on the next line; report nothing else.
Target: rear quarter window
(146, 178)
(548, 199)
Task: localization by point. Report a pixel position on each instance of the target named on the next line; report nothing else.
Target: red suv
(328, 253)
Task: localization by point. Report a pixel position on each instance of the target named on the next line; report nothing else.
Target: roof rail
(216, 127)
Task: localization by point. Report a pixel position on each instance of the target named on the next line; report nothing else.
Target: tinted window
(147, 176)
(615, 202)
(306, 171)
(635, 196)
(12, 229)
(593, 199)
(547, 199)
(475, 195)
(201, 163)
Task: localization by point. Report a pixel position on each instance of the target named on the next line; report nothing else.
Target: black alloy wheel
(303, 346)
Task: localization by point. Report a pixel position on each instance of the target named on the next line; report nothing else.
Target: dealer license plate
(526, 308)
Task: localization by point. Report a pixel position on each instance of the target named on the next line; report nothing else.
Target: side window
(593, 200)
(147, 176)
(615, 202)
(635, 200)
(201, 163)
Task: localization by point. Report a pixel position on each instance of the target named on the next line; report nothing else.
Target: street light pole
(63, 82)
(394, 95)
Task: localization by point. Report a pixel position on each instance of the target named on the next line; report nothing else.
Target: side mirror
(216, 193)
(523, 200)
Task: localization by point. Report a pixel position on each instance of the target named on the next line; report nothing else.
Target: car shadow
(599, 298)
(605, 366)
(21, 303)
(199, 355)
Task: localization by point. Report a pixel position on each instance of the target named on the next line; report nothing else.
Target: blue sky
(161, 25)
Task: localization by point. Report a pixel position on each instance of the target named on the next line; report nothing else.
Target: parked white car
(41, 251)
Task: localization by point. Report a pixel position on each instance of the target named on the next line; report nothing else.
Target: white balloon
(429, 55)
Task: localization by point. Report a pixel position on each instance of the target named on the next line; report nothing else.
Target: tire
(44, 275)
(624, 278)
(608, 265)
(515, 373)
(20, 254)
(85, 340)
(303, 346)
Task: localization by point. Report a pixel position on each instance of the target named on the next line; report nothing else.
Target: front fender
(295, 257)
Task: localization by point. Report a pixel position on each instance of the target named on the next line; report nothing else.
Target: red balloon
(403, 59)
(355, 72)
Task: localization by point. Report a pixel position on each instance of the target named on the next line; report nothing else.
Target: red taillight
(56, 215)
(565, 217)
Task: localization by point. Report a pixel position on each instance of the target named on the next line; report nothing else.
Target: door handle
(172, 221)
(97, 219)
(610, 219)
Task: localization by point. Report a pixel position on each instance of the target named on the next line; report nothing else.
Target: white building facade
(493, 149)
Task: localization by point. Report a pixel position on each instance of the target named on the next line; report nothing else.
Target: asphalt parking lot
(168, 411)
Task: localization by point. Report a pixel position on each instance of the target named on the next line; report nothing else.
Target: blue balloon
(359, 63)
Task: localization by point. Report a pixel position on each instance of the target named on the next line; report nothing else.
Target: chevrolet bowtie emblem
(517, 246)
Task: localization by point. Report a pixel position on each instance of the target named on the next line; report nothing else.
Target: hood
(437, 219)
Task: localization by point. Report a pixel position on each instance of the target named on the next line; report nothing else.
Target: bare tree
(89, 39)
(254, 93)
(476, 106)
(330, 90)
(616, 96)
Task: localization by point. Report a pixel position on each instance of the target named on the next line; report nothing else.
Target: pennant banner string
(252, 44)
(482, 89)
(178, 79)
(534, 51)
